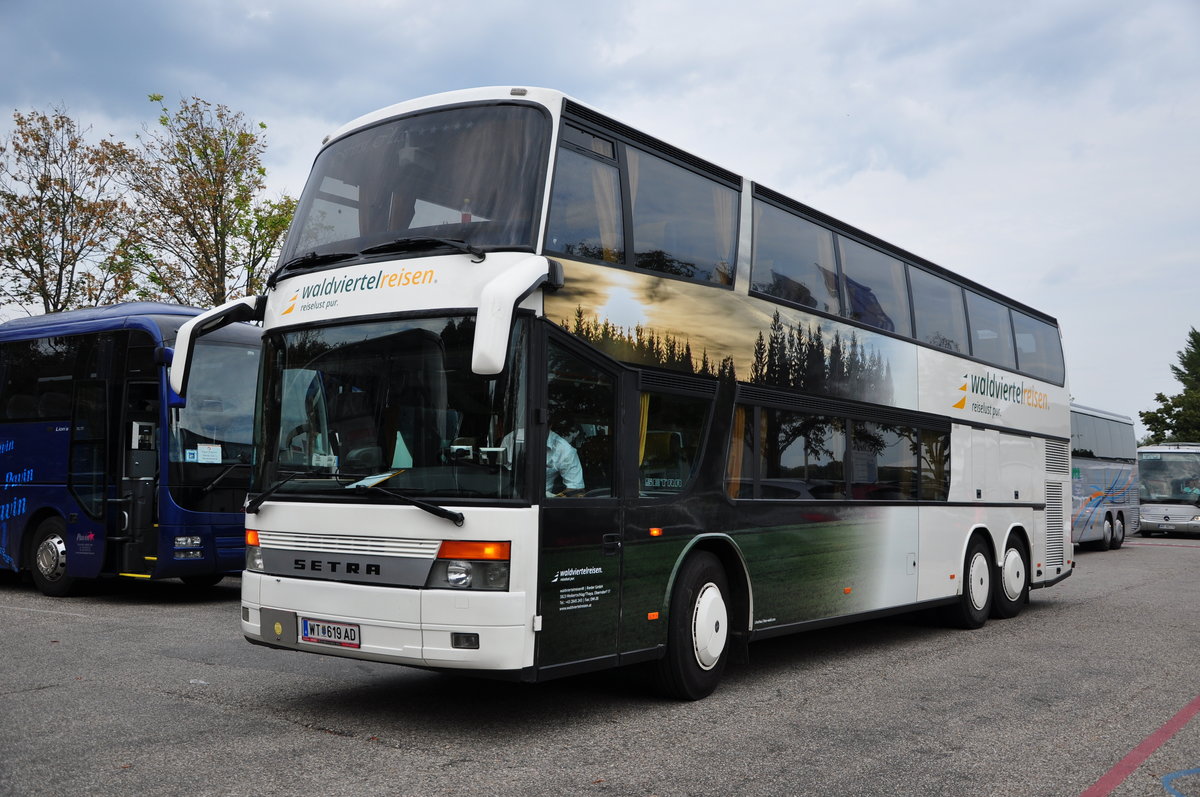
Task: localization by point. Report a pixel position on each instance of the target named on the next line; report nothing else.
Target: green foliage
(1177, 418)
(63, 216)
(199, 179)
(180, 218)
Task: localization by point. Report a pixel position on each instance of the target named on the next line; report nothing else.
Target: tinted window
(669, 441)
(991, 333)
(876, 293)
(585, 211)
(938, 311)
(1039, 348)
(883, 463)
(37, 378)
(683, 224)
(935, 466)
(803, 455)
(793, 259)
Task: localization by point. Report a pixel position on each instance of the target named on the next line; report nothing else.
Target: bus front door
(579, 578)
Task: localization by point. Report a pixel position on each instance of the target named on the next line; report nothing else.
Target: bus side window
(579, 446)
(585, 211)
(669, 433)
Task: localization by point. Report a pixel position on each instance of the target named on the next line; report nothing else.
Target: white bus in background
(1170, 488)
(543, 394)
(1104, 493)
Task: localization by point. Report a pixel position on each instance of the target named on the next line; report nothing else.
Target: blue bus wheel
(49, 568)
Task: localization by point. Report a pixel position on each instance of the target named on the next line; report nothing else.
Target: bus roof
(1158, 447)
(91, 319)
(1112, 416)
(555, 101)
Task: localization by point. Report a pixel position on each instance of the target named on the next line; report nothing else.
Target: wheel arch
(741, 598)
(36, 519)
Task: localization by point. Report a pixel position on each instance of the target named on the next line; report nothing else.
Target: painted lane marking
(1136, 757)
(46, 611)
(1169, 779)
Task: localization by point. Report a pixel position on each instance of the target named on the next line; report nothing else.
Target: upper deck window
(938, 311)
(793, 259)
(876, 291)
(472, 173)
(1039, 349)
(991, 331)
(683, 224)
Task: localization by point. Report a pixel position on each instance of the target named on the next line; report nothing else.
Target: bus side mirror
(251, 308)
(498, 300)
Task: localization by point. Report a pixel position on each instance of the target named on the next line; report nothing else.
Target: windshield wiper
(449, 514)
(417, 242)
(206, 489)
(254, 503)
(309, 260)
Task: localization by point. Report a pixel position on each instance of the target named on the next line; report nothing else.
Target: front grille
(335, 543)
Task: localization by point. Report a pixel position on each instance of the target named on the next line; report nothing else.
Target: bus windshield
(469, 174)
(391, 404)
(1170, 477)
(211, 438)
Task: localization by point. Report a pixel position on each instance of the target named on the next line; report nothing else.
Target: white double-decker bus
(543, 394)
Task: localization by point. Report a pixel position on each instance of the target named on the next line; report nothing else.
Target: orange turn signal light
(655, 532)
(251, 537)
(466, 549)
(651, 615)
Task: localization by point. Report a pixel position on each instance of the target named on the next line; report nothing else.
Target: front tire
(697, 630)
(49, 559)
(1012, 581)
(975, 604)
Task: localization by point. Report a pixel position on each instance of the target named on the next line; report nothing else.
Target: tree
(1177, 417)
(64, 223)
(206, 234)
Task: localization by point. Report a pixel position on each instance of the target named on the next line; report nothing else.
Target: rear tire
(975, 604)
(48, 559)
(1012, 581)
(697, 630)
(1118, 538)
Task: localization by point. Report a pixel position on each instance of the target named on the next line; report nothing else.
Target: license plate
(329, 632)
(1166, 527)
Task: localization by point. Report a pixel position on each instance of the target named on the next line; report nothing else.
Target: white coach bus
(544, 394)
(1104, 478)
(1170, 488)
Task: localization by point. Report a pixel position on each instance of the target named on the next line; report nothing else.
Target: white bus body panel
(402, 624)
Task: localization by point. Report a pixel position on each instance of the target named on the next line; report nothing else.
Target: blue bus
(106, 472)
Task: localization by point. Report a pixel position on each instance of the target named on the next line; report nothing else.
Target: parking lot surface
(149, 688)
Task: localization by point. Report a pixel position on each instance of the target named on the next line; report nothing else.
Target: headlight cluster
(254, 557)
(471, 565)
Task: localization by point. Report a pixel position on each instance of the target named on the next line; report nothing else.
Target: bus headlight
(471, 565)
(254, 557)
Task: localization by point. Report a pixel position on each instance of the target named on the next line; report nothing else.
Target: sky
(1049, 150)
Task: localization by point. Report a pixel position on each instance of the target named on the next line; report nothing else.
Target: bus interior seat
(21, 405)
(595, 457)
(53, 405)
(663, 456)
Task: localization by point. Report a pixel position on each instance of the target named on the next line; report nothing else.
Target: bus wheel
(1012, 581)
(50, 559)
(1105, 541)
(1118, 536)
(975, 603)
(697, 631)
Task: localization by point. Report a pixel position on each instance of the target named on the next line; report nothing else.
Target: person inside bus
(564, 472)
